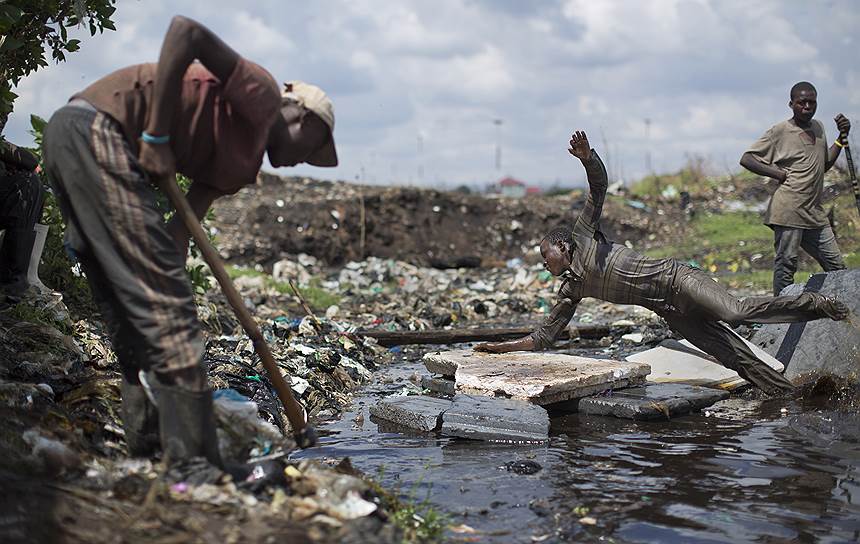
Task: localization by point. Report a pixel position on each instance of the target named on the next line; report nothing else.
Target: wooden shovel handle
(296, 413)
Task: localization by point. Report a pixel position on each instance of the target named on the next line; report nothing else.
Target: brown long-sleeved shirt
(605, 270)
(220, 129)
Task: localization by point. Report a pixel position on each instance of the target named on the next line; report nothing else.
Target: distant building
(511, 187)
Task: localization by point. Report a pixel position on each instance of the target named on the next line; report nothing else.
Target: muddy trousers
(701, 305)
(117, 233)
(819, 243)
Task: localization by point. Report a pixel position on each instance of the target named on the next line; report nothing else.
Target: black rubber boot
(15, 259)
(187, 423)
(139, 420)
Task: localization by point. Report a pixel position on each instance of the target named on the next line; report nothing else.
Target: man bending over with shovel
(211, 121)
(692, 303)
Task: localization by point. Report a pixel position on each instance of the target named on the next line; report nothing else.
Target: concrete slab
(441, 386)
(681, 362)
(538, 377)
(417, 413)
(496, 420)
(822, 346)
(655, 401)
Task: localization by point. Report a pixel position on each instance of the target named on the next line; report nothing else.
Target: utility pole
(648, 169)
(498, 123)
(420, 158)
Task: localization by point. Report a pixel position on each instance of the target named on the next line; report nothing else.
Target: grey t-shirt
(797, 201)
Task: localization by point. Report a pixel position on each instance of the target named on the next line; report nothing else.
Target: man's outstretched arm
(756, 166)
(543, 338)
(589, 217)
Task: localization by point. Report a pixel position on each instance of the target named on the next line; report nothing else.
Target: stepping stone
(681, 362)
(496, 420)
(656, 401)
(442, 386)
(538, 377)
(822, 346)
(417, 413)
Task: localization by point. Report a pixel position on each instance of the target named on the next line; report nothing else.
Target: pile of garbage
(63, 442)
(387, 294)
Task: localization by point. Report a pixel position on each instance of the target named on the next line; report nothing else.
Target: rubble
(674, 361)
(540, 378)
(656, 401)
(495, 420)
(417, 413)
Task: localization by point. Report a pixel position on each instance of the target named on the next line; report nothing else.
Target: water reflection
(770, 471)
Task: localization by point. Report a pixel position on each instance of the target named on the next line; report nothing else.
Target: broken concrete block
(538, 377)
(437, 364)
(823, 346)
(418, 413)
(656, 401)
(442, 386)
(496, 420)
(681, 362)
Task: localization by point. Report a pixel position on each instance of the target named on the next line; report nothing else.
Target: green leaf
(8, 43)
(37, 123)
(10, 13)
(73, 45)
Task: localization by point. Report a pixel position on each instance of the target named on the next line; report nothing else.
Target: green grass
(713, 243)
(419, 520)
(317, 298)
(726, 237)
(36, 313)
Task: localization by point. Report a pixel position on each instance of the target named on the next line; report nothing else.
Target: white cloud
(710, 75)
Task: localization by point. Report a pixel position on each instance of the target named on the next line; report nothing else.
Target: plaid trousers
(117, 233)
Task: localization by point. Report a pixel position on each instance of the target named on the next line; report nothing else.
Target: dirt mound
(340, 222)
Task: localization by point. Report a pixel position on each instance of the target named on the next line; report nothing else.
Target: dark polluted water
(743, 471)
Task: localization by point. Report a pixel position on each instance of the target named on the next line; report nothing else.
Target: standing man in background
(795, 153)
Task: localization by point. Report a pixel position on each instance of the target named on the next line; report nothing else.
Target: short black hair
(802, 86)
(559, 234)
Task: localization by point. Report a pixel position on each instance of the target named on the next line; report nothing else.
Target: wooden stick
(296, 413)
(853, 174)
(304, 304)
(362, 220)
(458, 336)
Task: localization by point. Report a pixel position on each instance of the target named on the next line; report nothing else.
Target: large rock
(540, 378)
(680, 362)
(656, 401)
(822, 346)
(496, 420)
(417, 413)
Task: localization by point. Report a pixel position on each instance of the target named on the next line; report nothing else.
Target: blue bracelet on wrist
(150, 139)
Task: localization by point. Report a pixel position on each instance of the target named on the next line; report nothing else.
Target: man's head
(304, 130)
(803, 102)
(556, 248)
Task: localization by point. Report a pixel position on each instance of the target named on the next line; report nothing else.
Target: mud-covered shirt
(797, 201)
(220, 129)
(605, 270)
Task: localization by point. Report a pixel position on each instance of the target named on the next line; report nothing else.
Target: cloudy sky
(419, 85)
